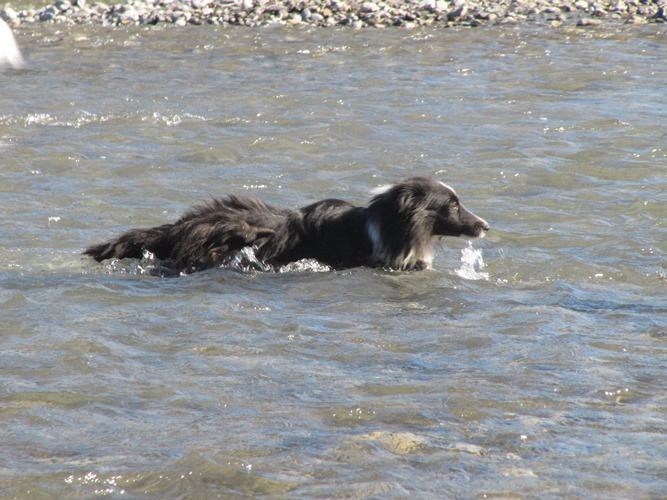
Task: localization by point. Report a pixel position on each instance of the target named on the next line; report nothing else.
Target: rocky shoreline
(353, 13)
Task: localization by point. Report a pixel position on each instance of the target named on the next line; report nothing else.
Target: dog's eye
(455, 206)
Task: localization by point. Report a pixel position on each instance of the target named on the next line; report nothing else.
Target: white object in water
(10, 55)
(472, 264)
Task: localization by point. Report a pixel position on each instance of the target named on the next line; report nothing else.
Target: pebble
(352, 13)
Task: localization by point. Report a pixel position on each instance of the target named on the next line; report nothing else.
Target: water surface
(541, 374)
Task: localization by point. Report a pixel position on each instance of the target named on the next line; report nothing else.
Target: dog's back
(206, 236)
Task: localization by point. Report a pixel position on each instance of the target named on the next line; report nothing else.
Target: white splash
(148, 263)
(472, 264)
(305, 266)
(10, 55)
(245, 260)
(147, 255)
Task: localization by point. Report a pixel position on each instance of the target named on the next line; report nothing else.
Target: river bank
(353, 13)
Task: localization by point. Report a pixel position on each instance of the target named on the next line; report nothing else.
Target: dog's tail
(132, 244)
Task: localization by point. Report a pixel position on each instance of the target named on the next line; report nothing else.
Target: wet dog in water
(395, 231)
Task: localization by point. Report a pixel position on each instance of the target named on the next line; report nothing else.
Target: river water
(532, 363)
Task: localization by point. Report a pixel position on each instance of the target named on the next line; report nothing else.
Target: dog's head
(451, 217)
(404, 218)
(433, 203)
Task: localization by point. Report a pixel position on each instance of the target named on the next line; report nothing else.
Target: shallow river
(530, 363)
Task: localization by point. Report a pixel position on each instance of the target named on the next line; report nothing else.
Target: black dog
(395, 231)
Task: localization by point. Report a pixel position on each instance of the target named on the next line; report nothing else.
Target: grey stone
(369, 7)
(46, 15)
(586, 21)
(353, 13)
(63, 5)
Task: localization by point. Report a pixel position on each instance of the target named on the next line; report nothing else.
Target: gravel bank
(354, 13)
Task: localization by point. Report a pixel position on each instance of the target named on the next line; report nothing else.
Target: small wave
(245, 260)
(172, 120)
(305, 265)
(37, 119)
(83, 118)
(472, 264)
(80, 119)
(148, 265)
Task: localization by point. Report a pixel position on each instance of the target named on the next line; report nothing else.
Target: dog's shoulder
(333, 214)
(327, 209)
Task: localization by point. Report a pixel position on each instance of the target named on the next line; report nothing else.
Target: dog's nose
(482, 226)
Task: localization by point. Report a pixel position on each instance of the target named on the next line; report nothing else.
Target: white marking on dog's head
(376, 191)
(448, 187)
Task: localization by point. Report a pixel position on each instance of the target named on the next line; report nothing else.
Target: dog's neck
(399, 251)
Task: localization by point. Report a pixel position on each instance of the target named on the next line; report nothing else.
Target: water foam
(246, 260)
(472, 264)
(305, 265)
(82, 118)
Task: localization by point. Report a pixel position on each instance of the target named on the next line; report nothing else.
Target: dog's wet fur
(395, 231)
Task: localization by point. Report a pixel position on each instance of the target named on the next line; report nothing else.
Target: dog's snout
(481, 227)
